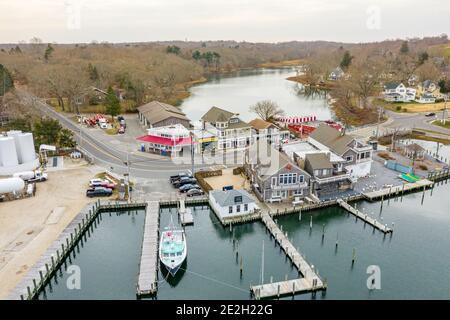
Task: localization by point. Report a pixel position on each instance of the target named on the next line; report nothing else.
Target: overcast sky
(68, 21)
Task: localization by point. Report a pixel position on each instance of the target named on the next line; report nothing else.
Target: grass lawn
(440, 124)
(410, 107)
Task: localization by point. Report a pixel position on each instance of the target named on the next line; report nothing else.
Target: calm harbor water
(236, 92)
(413, 261)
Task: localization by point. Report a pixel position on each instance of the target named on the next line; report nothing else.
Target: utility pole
(445, 109)
(379, 119)
(192, 152)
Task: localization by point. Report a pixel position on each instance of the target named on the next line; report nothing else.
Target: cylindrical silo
(11, 185)
(8, 153)
(26, 147)
(14, 134)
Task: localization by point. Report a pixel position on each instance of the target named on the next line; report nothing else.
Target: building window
(301, 179)
(349, 158)
(298, 192)
(288, 178)
(238, 208)
(230, 209)
(246, 207)
(274, 181)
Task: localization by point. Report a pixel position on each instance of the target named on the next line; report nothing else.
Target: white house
(231, 203)
(397, 92)
(336, 74)
(426, 98)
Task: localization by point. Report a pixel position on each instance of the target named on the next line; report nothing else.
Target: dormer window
(234, 120)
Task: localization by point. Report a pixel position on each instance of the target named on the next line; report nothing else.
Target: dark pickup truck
(98, 192)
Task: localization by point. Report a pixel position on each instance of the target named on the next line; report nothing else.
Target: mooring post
(310, 223)
(278, 291)
(29, 292)
(353, 256)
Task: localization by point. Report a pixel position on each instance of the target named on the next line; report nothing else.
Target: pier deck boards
(373, 222)
(310, 281)
(283, 288)
(407, 187)
(185, 214)
(148, 267)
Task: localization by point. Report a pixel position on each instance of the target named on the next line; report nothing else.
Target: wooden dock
(310, 281)
(59, 251)
(283, 288)
(366, 218)
(148, 266)
(185, 214)
(398, 190)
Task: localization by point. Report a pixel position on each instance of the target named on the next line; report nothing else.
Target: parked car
(178, 176)
(98, 192)
(182, 179)
(121, 130)
(103, 125)
(97, 182)
(185, 181)
(430, 114)
(194, 192)
(188, 187)
(108, 185)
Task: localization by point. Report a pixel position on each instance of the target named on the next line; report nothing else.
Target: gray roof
(227, 198)
(156, 111)
(332, 138)
(318, 161)
(392, 85)
(216, 114)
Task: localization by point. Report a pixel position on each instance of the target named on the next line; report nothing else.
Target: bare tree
(267, 110)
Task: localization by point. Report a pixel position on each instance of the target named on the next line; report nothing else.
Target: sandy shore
(29, 226)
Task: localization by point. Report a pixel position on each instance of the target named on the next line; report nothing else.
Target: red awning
(166, 141)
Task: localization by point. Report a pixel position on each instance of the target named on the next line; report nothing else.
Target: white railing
(291, 186)
(333, 178)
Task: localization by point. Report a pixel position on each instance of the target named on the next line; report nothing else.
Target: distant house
(412, 80)
(429, 87)
(326, 179)
(274, 178)
(426, 98)
(232, 132)
(336, 74)
(167, 140)
(269, 131)
(231, 203)
(158, 114)
(356, 153)
(397, 92)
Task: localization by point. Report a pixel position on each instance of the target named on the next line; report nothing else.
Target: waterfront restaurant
(167, 140)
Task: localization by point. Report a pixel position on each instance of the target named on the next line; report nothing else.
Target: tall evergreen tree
(48, 52)
(346, 60)
(404, 49)
(6, 81)
(112, 103)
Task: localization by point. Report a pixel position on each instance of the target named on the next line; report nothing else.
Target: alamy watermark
(73, 13)
(374, 279)
(73, 282)
(373, 21)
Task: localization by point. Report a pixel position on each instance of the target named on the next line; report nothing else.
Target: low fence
(201, 175)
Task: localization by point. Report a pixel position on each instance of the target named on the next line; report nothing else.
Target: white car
(103, 125)
(97, 182)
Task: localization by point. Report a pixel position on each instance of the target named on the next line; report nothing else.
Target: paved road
(109, 156)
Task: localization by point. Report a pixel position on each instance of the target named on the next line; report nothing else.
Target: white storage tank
(14, 134)
(26, 144)
(11, 185)
(8, 153)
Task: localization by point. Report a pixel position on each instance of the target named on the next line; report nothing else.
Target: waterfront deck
(366, 218)
(58, 252)
(310, 281)
(397, 190)
(283, 288)
(185, 214)
(148, 266)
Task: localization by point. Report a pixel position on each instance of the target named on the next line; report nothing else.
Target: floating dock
(148, 266)
(366, 218)
(283, 288)
(185, 214)
(309, 283)
(398, 190)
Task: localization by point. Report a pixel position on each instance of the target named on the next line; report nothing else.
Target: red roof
(165, 141)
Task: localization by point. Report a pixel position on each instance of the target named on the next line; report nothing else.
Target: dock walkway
(373, 222)
(185, 214)
(148, 266)
(397, 190)
(310, 281)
